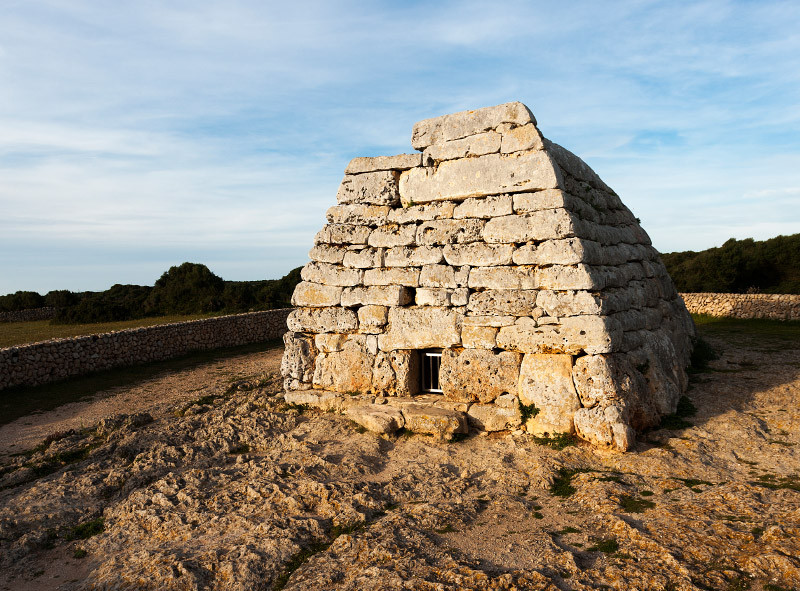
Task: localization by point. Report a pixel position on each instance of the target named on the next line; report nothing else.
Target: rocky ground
(239, 491)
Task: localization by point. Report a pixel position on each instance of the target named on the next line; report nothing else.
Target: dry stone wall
(744, 305)
(29, 315)
(40, 363)
(510, 255)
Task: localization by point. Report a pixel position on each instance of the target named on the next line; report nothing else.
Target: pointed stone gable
(509, 256)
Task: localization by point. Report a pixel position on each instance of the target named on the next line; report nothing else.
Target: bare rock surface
(239, 490)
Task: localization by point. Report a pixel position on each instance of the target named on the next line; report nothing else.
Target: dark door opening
(431, 362)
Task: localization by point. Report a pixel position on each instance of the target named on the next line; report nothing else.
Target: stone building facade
(490, 279)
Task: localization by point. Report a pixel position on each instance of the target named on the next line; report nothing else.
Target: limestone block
(540, 200)
(489, 320)
(365, 258)
(323, 253)
(522, 137)
(460, 296)
(478, 337)
(316, 295)
(380, 295)
(372, 188)
(520, 277)
(478, 254)
(561, 277)
(570, 303)
(378, 418)
(569, 251)
(383, 378)
(503, 302)
(604, 427)
(574, 166)
(478, 375)
(406, 372)
(462, 275)
(342, 234)
(537, 226)
(292, 384)
(438, 210)
(399, 162)
(465, 123)
(328, 343)
(299, 354)
(422, 327)
(432, 296)
(437, 276)
(483, 207)
(474, 145)
(449, 231)
(413, 256)
(322, 320)
(602, 380)
(393, 235)
(546, 382)
(408, 276)
(348, 370)
(573, 335)
(372, 318)
(358, 214)
(490, 417)
(322, 399)
(492, 174)
(439, 422)
(327, 274)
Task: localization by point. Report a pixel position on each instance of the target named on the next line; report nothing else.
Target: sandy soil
(245, 493)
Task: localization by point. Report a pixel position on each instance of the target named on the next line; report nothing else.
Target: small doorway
(431, 362)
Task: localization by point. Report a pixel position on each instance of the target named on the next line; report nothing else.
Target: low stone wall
(29, 315)
(48, 361)
(744, 305)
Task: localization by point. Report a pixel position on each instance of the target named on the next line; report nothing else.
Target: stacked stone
(49, 361)
(744, 305)
(28, 315)
(511, 255)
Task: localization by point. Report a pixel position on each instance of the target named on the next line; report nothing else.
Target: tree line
(189, 288)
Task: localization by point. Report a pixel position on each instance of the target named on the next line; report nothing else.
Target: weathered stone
(574, 166)
(322, 399)
(539, 225)
(342, 234)
(328, 343)
(514, 302)
(323, 253)
(438, 210)
(465, 123)
(298, 358)
(479, 337)
(540, 200)
(327, 274)
(600, 379)
(432, 297)
(315, 295)
(449, 231)
(474, 145)
(322, 320)
(358, 214)
(393, 235)
(378, 418)
(365, 258)
(522, 137)
(545, 381)
(439, 422)
(490, 417)
(574, 335)
(372, 188)
(408, 276)
(400, 162)
(561, 277)
(478, 254)
(437, 276)
(348, 370)
(460, 295)
(423, 327)
(372, 318)
(569, 251)
(570, 303)
(405, 365)
(604, 427)
(383, 295)
(477, 375)
(494, 321)
(506, 277)
(462, 275)
(410, 256)
(483, 207)
(477, 177)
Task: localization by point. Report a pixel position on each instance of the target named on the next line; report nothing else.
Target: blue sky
(135, 136)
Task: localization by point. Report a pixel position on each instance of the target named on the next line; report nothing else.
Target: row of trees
(189, 288)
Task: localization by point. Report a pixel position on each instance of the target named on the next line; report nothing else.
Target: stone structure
(28, 315)
(744, 305)
(510, 257)
(49, 361)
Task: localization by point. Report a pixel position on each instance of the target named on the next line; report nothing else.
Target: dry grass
(20, 333)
